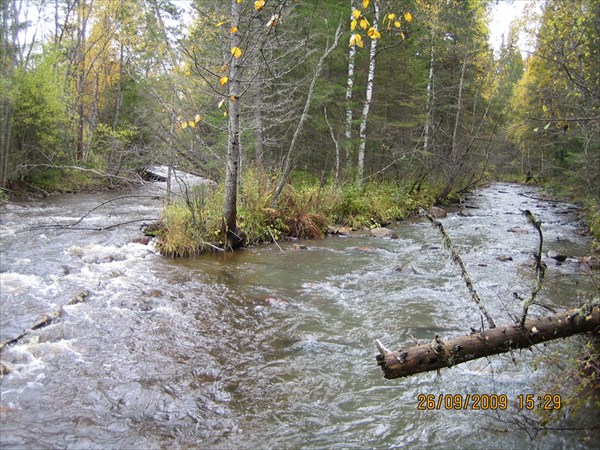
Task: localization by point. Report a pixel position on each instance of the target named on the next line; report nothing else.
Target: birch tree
(349, 87)
(374, 34)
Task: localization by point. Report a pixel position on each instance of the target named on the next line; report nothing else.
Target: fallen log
(439, 353)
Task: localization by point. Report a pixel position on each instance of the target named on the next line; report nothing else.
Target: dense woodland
(267, 96)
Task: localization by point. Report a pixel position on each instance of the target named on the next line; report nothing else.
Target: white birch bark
(349, 86)
(430, 100)
(368, 98)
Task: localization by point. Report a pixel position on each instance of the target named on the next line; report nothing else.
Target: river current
(271, 346)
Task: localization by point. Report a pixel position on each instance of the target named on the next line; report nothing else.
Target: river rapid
(271, 346)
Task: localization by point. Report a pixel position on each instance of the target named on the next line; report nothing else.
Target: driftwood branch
(46, 319)
(457, 259)
(540, 267)
(440, 353)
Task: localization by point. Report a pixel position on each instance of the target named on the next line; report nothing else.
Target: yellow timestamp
(484, 402)
(547, 402)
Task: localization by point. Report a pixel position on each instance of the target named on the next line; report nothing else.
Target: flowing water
(268, 347)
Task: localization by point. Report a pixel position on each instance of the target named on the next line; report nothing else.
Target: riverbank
(47, 181)
(305, 210)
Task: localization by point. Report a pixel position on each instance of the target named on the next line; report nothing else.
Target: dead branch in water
(46, 319)
(456, 257)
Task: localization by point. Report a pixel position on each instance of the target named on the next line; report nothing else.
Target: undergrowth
(193, 223)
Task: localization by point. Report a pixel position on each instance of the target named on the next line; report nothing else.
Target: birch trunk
(288, 161)
(349, 86)
(430, 100)
(368, 99)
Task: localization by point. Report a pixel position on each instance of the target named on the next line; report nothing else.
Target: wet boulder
(437, 213)
(556, 256)
(143, 240)
(383, 232)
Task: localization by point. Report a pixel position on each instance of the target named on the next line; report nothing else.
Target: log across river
(265, 348)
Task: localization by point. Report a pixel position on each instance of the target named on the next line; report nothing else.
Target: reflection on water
(263, 348)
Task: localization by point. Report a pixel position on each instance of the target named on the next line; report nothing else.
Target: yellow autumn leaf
(224, 67)
(353, 24)
(391, 16)
(197, 118)
(356, 39)
(184, 125)
(234, 29)
(365, 4)
(408, 17)
(259, 4)
(236, 52)
(187, 73)
(221, 23)
(364, 23)
(397, 24)
(356, 13)
(374, 33)
(225, 114)
(223, 81)
(232, 98)
(192, 124)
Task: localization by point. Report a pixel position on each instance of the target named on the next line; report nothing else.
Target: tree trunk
(230, 230)
(368, 98)
(349, 86)
(337, 146)
(430, 100)
(439, 354)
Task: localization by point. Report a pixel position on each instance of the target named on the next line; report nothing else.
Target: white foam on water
(17, 283)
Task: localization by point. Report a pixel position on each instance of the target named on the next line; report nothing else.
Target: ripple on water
(188, 353)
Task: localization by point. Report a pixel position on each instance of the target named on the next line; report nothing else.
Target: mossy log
(440, 353)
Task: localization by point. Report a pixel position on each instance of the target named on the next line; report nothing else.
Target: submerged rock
(384, 233)
(274, 302)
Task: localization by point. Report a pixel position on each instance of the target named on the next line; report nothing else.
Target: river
(271, 346)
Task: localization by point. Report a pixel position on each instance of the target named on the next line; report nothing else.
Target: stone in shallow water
(384, 233)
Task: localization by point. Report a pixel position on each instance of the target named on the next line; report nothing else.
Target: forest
(305, 113)
(303, 118)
